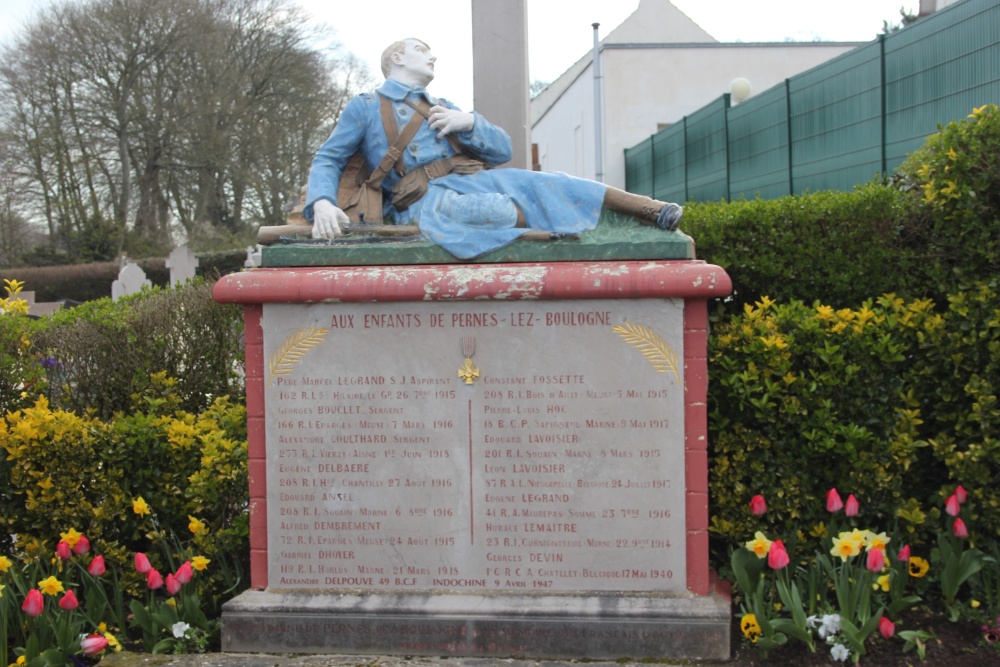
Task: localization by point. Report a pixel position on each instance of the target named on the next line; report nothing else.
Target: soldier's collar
(397, 92)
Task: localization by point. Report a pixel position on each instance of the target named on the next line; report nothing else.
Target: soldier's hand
(446, 120)
(327, 220)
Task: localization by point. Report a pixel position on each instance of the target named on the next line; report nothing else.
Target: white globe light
(739, 89)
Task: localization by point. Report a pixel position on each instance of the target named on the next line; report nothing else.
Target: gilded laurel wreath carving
(298, 344)
(654, 348)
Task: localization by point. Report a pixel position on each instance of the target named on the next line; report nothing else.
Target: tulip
(96, 568)
(851, 507)
(959, 529)
(904, 554)
(757, 505)
(63, 550)
(93, 644)
(154, 579)
(876, 560)
(82, 546)
(173, 586)
(34, 603)
(886, 627)
(951, 506)
(184, 572)
(777, 556)
(961, 494)
(69, 601)
(833, 501)
(142, 565)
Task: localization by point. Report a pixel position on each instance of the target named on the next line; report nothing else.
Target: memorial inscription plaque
(476, 446)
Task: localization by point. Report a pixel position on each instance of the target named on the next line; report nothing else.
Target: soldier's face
(417, 59)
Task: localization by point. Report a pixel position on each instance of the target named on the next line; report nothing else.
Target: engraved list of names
(476, 446)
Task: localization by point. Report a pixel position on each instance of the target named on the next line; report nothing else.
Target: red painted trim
(460, 282)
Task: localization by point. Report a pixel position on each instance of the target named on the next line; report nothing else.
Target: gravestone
(483, 459)
(131, 279)
(182, 264)
(253, 257)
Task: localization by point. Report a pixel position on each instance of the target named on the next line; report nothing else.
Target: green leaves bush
(892, 401)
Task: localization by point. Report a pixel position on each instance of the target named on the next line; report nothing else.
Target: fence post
(685, 120)
(882, 107)
(726, 102)
(788, 128)
(652, 167)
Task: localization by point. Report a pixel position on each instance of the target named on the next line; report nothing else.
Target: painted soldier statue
(431, 165)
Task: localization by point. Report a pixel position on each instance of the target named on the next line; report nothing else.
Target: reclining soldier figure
(430, 164)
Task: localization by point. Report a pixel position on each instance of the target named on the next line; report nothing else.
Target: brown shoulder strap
(424, 109)
(397, 142)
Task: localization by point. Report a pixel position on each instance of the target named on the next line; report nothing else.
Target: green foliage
(955, 178)
(104, 352)
(837, 247)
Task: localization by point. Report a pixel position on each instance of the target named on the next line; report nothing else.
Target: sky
(559, 31)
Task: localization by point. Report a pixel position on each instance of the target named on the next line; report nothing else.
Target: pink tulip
(757, 505)
(876, 560)
(154, 579)
(184, 572)
(142, 565)
(82, 546)
(93, 644)
(96, 568)
(69, 601)
(833, 501)
(34, 603)
(952, 506)
(851, 508)
(63, 550)
(886, 627)
(961, 494)
(904, 554)
(173, 586)
(777, 556)
(959, 529)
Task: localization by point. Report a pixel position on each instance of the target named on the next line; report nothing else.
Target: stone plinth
(482, 460)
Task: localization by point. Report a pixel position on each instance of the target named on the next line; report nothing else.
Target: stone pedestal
(482, 460)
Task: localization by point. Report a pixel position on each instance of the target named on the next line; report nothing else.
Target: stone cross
(253, 257)
(131, 279)
(182, 264)
(500, 86)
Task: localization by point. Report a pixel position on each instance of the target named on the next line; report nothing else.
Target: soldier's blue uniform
(468, 215)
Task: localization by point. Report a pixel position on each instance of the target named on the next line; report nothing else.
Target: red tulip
(96, 568)
(961, 494)
(851, 508)
(184, 572)
(952, 506)
(154, 579)
(34, 604)
(82, 546)
(833, 501)
(69, 601)
(142, 565)
(93, 644)
(757, 505)
(777, 556)
(904, 554)
(959, 529)
(876, 560)
(886, 627)
(63, 550)
(173, 586)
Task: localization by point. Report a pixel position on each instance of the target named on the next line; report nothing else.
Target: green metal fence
(834, 126)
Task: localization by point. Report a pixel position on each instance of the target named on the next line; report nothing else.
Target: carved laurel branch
(654, 348)
(298, 344)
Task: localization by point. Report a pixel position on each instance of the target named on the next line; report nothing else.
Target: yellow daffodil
(1, 590)
(845, 547)
(50, 586)
(5, 563)
(750, 628)
(918, 567)
(21, 660)
(760, 545)
(196, 526)
(883, 582)
(140, 507)
(102, 627)
(200, 563)
(113, 641)
(877, 541)
(860, 537)
(71, 537)
(974, 604)
(172, 602)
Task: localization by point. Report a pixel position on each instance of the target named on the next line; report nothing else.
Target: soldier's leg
(664, 215)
